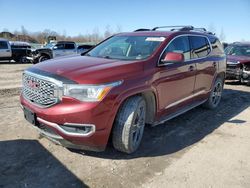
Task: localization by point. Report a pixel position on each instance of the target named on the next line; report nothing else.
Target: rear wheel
(129, 125)
(215, 95)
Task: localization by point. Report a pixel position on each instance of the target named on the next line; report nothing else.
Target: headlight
(89, 93)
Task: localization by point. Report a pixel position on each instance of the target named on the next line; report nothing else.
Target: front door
(5, 51)
(175, 83)
(58, 50)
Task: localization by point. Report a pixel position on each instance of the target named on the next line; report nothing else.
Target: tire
(43, 58)
(215, 95)
(17, 59)
(129, 125)
(24, 60)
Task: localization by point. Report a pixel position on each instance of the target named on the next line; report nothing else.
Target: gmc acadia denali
(130, 79)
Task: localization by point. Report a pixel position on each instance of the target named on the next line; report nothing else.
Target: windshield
(127, 47)
(49, 45)
(238, 50)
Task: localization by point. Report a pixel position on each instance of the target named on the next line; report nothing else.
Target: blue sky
(73, 17)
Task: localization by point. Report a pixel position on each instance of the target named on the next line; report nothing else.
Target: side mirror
(173, 57)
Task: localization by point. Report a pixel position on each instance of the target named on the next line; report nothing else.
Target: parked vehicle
(238, 62)
(83, 48)
(54, 50)
(125, 82)
(14, 50)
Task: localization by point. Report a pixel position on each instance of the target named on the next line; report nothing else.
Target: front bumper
(50, 122)
(233, 73)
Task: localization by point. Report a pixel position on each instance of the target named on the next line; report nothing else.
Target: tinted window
(3, 45)
(179, 45)
(59, 46)
(200, 47)
(69, 46)
(216, 46)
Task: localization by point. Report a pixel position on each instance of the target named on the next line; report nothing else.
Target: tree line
(41, 36)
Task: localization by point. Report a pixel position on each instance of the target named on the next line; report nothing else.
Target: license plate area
(29, 116)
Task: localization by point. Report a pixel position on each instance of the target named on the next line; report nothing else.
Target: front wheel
(215, 95)
(43, 58)
(129, 125)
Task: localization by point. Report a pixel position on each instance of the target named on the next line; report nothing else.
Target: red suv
(127, 81)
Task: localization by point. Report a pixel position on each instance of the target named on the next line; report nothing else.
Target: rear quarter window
(216, 46)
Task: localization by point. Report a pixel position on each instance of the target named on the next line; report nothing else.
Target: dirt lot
(201, 148)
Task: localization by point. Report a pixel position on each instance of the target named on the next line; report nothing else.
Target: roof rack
(179, 28)
(142, 29)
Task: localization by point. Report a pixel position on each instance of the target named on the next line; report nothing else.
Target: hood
(241, 59)
(91, 70)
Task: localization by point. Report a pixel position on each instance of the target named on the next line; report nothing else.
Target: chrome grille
(39, 91)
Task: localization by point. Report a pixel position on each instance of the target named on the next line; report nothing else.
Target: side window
(59, 46)
(200, 47)
(69, 46)
(216, 46)
(3, 45)
(179, 45)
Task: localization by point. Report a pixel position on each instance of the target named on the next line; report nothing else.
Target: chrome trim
(56, 126)
(57, 82)
(233, 62)
(184, 99)
(48, 134)
(58, 90)
(178, 113)
(183, 35)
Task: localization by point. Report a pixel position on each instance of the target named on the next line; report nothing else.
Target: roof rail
(142, 29)
(179, 28)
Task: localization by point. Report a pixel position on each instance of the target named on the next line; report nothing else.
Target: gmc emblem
(33, 84)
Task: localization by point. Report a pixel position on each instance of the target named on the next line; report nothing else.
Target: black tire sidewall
(209, 102)
(122, 136)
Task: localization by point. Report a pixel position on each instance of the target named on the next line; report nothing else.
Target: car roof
(165, 33)
(59, 42)
(2, 39)
(19, 43)
(240, 44)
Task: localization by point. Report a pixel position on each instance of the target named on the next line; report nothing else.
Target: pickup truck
(54, 50)
(14, 50)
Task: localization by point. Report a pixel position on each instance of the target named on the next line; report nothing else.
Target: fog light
(84, 129)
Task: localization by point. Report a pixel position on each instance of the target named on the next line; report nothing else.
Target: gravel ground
(201, 148)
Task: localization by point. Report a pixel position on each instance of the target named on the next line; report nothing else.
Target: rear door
(176, 81)
(206, 67)
(70, 48)
(5, 51)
